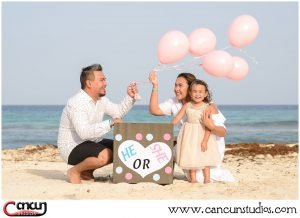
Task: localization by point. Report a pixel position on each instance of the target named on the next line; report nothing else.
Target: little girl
(196, 147)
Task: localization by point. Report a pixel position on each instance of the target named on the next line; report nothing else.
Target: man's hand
(132, 90)
(115, 120)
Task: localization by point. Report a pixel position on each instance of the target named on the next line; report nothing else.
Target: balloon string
(165, 68)
(157, 68)
(180, 67)
(141, 82)
(253, 59)
(226, 47)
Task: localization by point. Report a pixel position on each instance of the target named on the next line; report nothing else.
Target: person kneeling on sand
(80, 137)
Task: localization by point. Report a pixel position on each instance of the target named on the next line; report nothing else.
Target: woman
(214, 122)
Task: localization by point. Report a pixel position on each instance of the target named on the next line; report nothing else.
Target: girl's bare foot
(73, 176)
(206, 181)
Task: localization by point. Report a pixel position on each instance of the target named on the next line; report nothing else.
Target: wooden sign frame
(143, 153)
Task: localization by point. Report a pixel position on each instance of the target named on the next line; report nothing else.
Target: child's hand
(203, 146)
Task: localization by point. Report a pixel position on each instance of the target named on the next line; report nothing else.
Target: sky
(45, 46)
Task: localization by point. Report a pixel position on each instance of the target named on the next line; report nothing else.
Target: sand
(264, 171)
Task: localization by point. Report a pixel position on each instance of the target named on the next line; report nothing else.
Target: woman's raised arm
(154, 106)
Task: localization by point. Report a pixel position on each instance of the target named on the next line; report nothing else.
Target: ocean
(38, 125)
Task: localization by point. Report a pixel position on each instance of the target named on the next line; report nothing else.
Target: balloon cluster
(175, 45)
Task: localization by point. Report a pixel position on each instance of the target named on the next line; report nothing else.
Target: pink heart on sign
(144, 160)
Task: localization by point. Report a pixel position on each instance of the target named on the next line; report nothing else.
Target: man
(81, 131)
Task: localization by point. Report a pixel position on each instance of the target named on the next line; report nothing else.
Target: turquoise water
(22, 125)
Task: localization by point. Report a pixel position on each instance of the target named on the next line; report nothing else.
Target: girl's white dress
(189, 154)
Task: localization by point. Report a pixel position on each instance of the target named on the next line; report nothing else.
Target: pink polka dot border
(167, 136)
(139, 136)
(128, 176)
(168, 170)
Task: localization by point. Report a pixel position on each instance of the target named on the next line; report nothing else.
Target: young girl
(196, 147)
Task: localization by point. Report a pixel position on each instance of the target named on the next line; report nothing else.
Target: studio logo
(13, 208)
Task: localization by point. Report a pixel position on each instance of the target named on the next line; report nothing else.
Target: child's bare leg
(206, 174)
(193, 176)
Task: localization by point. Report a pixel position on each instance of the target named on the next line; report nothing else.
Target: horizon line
(148, 104)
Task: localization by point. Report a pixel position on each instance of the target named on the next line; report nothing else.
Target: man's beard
(101, 94)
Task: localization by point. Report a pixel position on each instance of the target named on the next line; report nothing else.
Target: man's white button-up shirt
(82, 120)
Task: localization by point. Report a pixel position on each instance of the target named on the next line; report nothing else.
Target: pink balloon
(218, 63)
(240, 69)
(243, 30)
(202, 41)
(172, 47)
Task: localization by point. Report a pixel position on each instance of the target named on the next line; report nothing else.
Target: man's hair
(87, 73)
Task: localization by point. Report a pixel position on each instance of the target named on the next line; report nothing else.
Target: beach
(263, 171)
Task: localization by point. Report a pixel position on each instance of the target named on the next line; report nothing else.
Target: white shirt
(82, 120)
(172, 106)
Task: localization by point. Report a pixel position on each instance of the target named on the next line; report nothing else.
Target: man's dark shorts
(88, 149)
